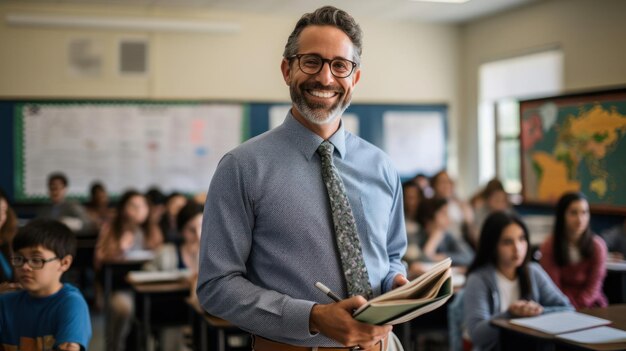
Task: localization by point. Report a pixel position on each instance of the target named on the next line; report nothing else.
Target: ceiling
(378, 9)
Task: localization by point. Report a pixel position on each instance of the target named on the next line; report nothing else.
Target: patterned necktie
(345, 226)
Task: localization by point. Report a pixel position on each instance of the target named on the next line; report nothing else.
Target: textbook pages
(421, 295)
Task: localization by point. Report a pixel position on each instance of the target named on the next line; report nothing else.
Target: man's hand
(335, 321)
(398, 281)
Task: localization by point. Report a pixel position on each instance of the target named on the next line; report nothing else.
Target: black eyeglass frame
(324, 60)
(31, 261)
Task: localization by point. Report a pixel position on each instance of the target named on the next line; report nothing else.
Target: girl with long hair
(503, 283)
(574, 257)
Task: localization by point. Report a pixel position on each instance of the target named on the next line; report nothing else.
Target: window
(503, 84)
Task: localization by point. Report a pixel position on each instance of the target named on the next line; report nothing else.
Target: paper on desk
(599, 335)
(158, 276)
(560, 322)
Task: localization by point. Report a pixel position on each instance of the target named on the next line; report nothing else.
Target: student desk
(210, 329)
(159, 304)
(515, 337)
(615, 282)
(114, 272)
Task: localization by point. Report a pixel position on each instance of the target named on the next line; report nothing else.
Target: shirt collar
(308, 142)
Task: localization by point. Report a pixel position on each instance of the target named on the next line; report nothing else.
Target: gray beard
(315, 113)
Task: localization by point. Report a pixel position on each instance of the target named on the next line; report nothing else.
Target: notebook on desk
(598, 335)
(560, 322)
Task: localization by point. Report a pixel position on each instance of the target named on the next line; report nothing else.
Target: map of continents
(575, 147)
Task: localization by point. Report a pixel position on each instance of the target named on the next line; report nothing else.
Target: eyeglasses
(313, 64)
(34, 263)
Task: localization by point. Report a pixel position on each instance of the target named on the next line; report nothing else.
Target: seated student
(129, 231)
(433, 237)
(175, 201)
(503, 283)
(185, 255)
(98, 206)
(8, 228)
(460, 213)
(43, 251)
(491, 198)
(69, 212)
(412, 196)
(573, 256)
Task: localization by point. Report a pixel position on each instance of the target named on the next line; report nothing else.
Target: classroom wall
(590, 33)
(403, 63)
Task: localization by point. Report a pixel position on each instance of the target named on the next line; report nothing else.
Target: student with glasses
(47, 314)
(273, 221)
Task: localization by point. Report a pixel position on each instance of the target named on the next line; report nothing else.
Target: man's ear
(285, 68)
(66, 262)
(356, 76)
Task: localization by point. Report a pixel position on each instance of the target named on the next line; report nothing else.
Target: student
(460, 213)
(491, 199)
(185, 255)
(43, 251)
(503, 283)
(433, 237)
(98, 207)
(129, 231)
(69, 212)
(573, 256)
(412, 196)
(8, 228)
(175, 201)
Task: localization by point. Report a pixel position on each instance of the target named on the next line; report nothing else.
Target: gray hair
(330, 16)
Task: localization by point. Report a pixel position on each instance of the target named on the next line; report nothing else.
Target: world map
(572, 145)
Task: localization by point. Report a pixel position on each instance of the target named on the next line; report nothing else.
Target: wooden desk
(171, 296)
(210, 328)
(515, 337)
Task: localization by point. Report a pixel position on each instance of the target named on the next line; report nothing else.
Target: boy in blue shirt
(46, 314)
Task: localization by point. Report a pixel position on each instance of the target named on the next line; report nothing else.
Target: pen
(327, 291)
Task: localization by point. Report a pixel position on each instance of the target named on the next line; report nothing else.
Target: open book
(421, 295)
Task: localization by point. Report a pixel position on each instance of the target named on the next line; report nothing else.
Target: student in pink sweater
(573, 256)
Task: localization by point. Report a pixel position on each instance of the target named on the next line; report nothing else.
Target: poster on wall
(575, 143)
(125, 146)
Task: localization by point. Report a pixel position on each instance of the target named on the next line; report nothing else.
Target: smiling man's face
(321, 98)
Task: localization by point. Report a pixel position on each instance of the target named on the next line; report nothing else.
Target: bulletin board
(175, 146)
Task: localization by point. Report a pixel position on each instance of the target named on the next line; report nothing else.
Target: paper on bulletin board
(175, 147)
(415, 141)
(279, 112)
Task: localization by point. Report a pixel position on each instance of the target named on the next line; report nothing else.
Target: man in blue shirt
(268, 232)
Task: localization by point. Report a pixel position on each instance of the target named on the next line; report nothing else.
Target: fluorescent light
(120, 23)
(448, 1)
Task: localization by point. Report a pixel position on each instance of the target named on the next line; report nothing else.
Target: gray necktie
(345, 226)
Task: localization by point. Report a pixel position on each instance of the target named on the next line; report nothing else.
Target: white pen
(327, 291)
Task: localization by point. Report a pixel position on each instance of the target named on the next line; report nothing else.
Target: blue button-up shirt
(268, 236)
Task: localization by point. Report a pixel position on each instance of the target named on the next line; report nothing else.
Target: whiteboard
(173, 146)
(415, 141)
